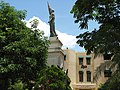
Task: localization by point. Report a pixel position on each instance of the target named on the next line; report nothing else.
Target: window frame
(107, 73)
(88, 62)
(107, 56)
(81, 76)
(88, 76)
(80, 59)
(65, 56)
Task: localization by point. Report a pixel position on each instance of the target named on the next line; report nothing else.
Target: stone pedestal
(55, 53)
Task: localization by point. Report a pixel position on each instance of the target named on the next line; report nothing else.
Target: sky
(65, 27)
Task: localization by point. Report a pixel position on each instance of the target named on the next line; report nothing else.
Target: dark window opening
(81, 76)
(107, 56)
(107, 73)
(88, 76)
(64, 57)
(80, 60)
(88, 60)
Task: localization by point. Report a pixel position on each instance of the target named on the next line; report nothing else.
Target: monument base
(55, 53)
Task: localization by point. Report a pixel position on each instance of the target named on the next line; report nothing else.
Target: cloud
(42, 25)
(69, 41)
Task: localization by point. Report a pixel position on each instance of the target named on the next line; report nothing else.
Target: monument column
(55, 53)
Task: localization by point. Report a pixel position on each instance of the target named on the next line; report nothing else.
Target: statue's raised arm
(51, 21)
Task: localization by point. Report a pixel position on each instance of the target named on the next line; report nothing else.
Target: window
(64, 57)
(107, 73)
(81, 76)
(88, 60)
(88, 76)
(107, 56)
(80, 60)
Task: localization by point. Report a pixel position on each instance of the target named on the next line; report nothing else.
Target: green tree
(53, 78)
(23, 51)
(112, 83)
(18, 85)
(105, 39)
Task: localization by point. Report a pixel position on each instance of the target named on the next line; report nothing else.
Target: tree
(112, 83)
(23, 52)
(18, 86)
(53, 78)
(106, 39)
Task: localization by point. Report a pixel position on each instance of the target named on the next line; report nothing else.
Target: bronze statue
(51, 22)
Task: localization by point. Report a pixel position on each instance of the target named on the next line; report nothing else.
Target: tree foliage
(18, 85)
(23, 52)
(53, 78)
(112, 83)
(105, 39)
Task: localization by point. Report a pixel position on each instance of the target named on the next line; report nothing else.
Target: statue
(51, 22)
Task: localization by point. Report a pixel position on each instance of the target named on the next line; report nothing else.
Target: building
(82, 69)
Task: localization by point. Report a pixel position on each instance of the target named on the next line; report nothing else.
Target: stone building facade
(82, 70)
